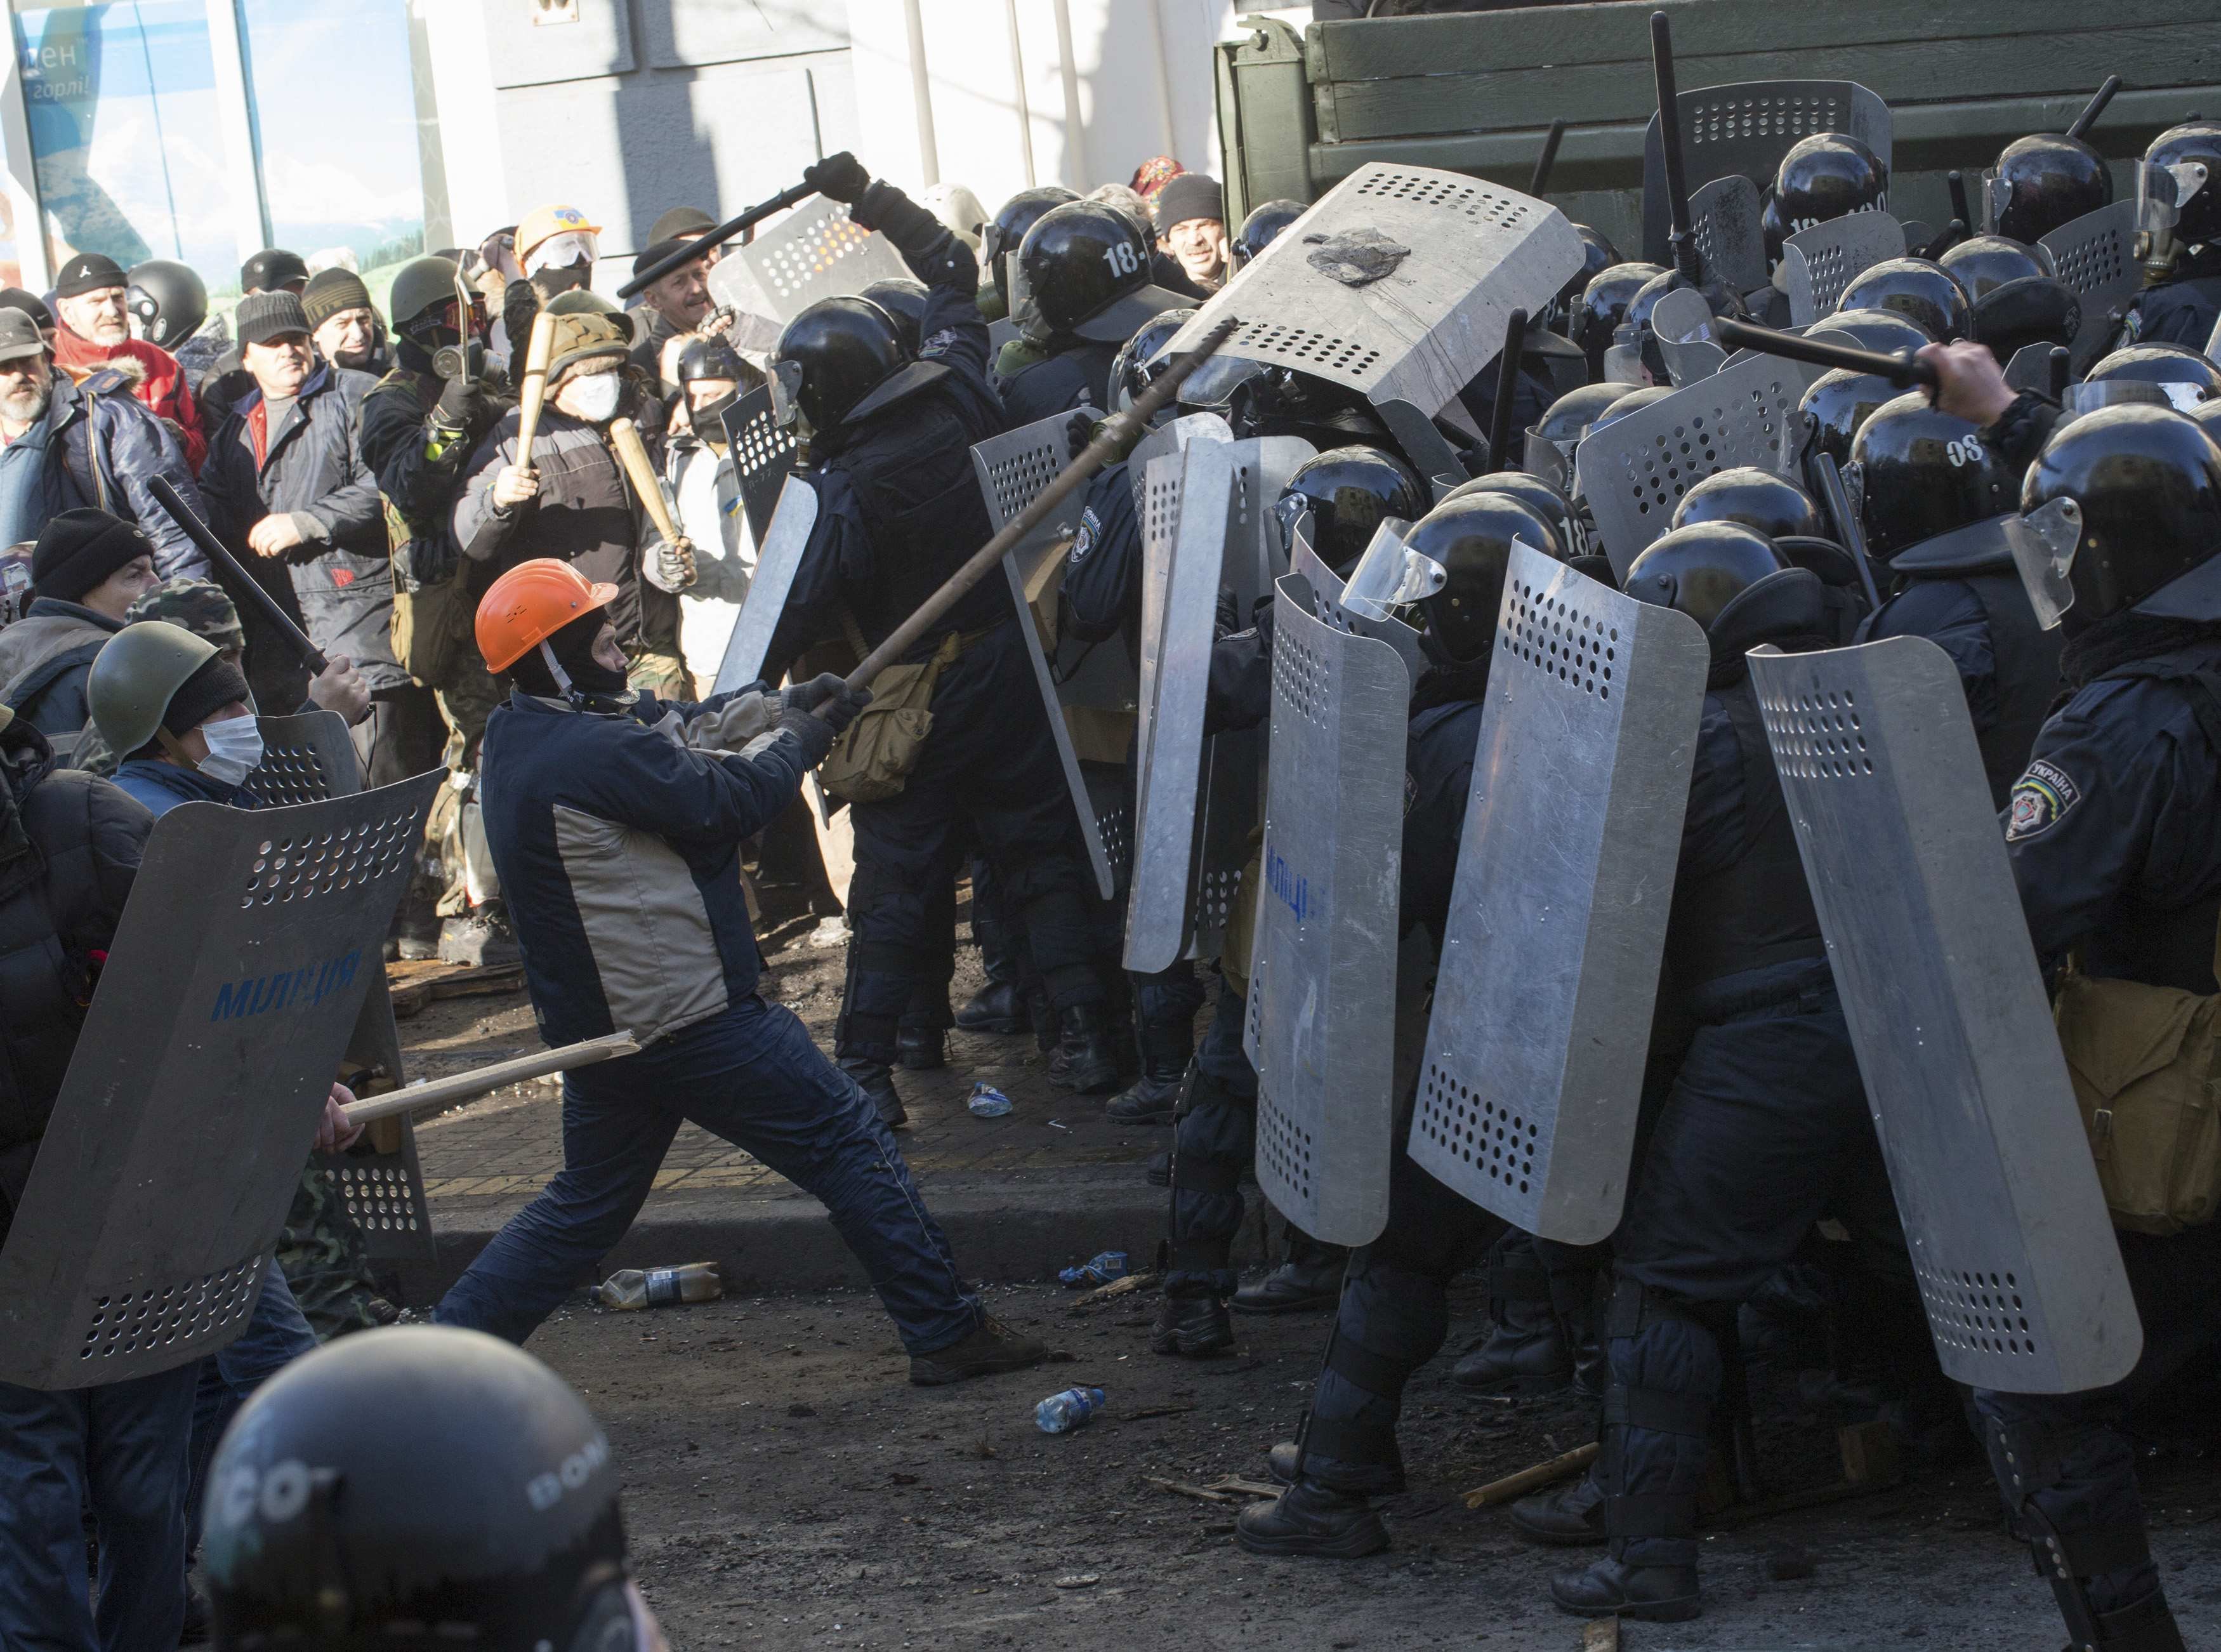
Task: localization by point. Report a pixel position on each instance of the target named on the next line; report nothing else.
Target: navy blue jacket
(163, 787)
(1102, 589)
(1437, 781)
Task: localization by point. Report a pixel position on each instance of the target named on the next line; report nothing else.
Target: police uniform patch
(937, 345)
(1084, 541)
(1410, 790)
(2040, 798)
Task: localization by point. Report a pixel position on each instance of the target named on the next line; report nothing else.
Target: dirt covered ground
(785, 1487)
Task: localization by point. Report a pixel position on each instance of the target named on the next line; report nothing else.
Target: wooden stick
(442, 1093)
(532, 386)
(632, 454)
(1119, 432)
(1529, 1480)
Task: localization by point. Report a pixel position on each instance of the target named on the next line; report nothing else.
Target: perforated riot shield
(816, 251)
(1818, 263)
(1090, 690)
(2096, 257)
(1634, 471)
(1724, 226)
(1322, 1004)
(1744, 129)
(2009, 1234)
(1682, 321)
(1171, 438)
(307, 759)
(779, 558)
(1396, 284)
(235, 977)
(763, 457)
(1533, 1074)
(1325, 587)
(1198, 797)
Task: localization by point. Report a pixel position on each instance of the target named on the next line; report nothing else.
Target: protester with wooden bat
(547, 481)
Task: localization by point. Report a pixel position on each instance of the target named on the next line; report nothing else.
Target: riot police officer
(1080, 289)
(2047, 179)
(2179, 237)
(1826, 176)
(888, 442)
(2110, 839)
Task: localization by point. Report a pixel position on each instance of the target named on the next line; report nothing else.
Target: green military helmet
(197, 605)
(421, 284)
(135, 675)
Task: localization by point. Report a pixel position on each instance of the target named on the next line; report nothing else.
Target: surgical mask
(596, 398)
(235, 750)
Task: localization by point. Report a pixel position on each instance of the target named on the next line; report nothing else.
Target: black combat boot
(920, 1046)
(1309, 1518)
(879, 1083)
(1525, 1352)
(1090, 1064)
(1309, 1279)
(1192, 1326)
(1608, 1587)
(1565, 1517)
(998, 1007)
(1167, 1049)
(1281, 1463)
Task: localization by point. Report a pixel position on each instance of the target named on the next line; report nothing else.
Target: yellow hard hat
(541, 223)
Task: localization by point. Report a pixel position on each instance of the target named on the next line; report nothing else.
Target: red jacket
(159, 383)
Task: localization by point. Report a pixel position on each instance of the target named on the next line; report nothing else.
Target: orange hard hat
(529, 604)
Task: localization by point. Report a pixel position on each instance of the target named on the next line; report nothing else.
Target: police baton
(1118, 434)
(1905, 371)
(713, 238)
(219, 556)
(1849, 528)
(1680, 233)
(1507, 389)
(466, 1086)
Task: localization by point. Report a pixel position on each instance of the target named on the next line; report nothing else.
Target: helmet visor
(1622, 359)
(786, 394)
(2088, 397)
(1389, 577)
(2045, 543)
(558, 252)
(2163, 191)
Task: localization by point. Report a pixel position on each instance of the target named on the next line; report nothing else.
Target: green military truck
(1476, 91)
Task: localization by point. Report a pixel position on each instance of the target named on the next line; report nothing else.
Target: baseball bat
(462, 1087)
(532, 387)
(632, 454)
(219, 555)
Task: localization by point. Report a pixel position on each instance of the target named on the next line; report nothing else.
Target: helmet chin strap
(563, 685)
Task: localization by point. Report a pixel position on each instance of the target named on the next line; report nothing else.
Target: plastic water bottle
(657, 1287)
(1062, 1413)
(986, 1101)
(1100, 1269)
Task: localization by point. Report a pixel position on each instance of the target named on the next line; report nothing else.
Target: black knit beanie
(214, 685)
(78, 549)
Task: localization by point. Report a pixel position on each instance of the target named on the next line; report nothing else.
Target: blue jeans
(752, 1076)
(120, 1447)
(275, 1336)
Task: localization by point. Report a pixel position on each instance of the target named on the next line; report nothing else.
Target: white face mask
(596, 398)
(235, 750)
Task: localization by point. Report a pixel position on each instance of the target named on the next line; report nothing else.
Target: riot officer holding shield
(1081, 289)
(2179, 237)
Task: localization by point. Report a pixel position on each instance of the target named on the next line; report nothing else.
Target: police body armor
(911, 467)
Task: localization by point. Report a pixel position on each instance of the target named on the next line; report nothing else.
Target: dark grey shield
(763, 457)
(2096, 257)
(230, 994)
(2009, 1238)
(1533, 1074)
(1818, 263)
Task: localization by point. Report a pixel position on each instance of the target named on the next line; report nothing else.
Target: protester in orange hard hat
(614, 821)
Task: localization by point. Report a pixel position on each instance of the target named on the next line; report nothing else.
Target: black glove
(814, 734)
(807, 696)
(844, 707)
(838, 177)
(461, 402)
(915, 233)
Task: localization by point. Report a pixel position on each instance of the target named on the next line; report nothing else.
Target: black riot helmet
(1470, 539)
(1000, 235)
(166, 300)
(1350, 492)
(1835, 404)
(1142, 360)
(1981, 262)
(1921, 290)
(1565, 419)
(1732, 581)
(1636, 331)
(1597, 314)
(1544, 499)
(2047, 179)
(2035, 309)
(829, 358)
(904, 299)
(1772, 503)
(1886, 330)
(481, 1511)
(1826, 176)
(2146, 482)
(1258, 230)
(1598, 255)
(1925, 473)
(2167, 375)
(2178, 194)
(1630, 400)
(1083, 271)
(709, 358)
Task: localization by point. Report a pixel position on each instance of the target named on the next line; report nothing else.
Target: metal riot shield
(1089, 691)
(1818, 263)
(1744, 129)
(1683, 324)
(1725, 229)
(1321, 1008)
(1397, 283)
(817, 252)
(1170, 438)
(1533, 1074)
(1326, 587)
(763, 457)
(237, 972)
(1634, 471)
(307, 759)
(2009, 1233)
(2096, 257)
(779, 558)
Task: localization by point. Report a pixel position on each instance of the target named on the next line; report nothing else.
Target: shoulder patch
(2041, 798)
(937, 345)
(1084, 541)
(1410, 790)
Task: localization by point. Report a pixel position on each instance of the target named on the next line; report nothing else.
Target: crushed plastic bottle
(1099, 1269)
(986, 1101)
(1062, 1413)
(657, 1287)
